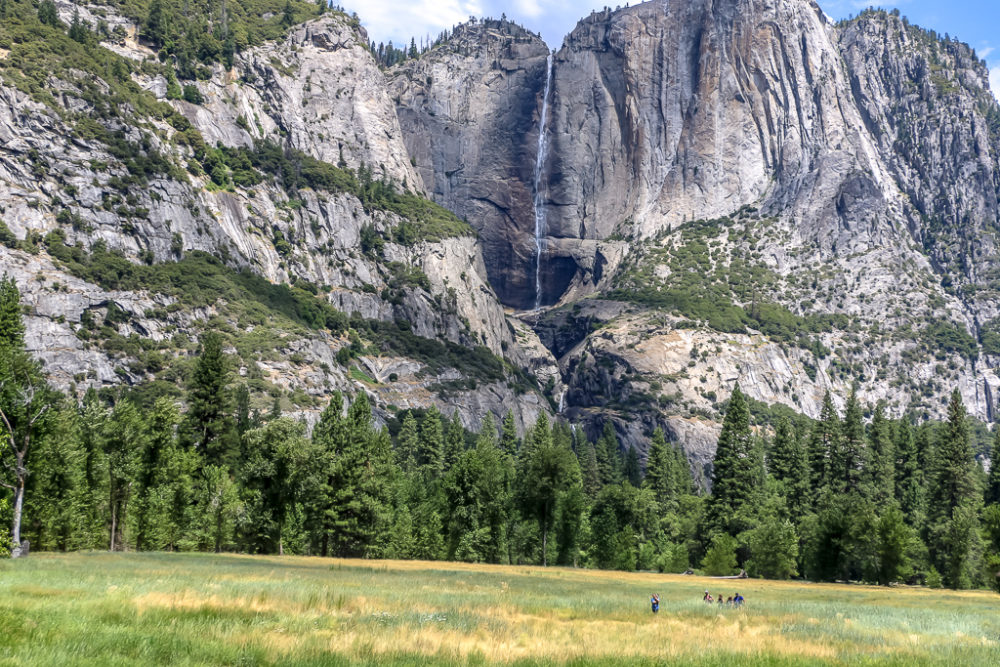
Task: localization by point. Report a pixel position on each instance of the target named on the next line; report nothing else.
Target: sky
(976, 22)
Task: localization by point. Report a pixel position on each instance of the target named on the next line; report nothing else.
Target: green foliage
(774, 549)
(720, 559)
(950, 337)
(200, 280)
(738, 469)
(190, 93)
(422, 220)
(196, 33)
(7, 237)
(725, 290)
(209, 424)
(11, 325)
(952, 529)
(47, 14)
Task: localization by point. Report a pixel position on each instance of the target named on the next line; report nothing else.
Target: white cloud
(529, 8)
(995, 81)
(399, 20)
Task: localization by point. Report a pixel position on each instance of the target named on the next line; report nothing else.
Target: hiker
(729, 601)
(722, 600)
(655, 602)
(707, 599)
(738, 600)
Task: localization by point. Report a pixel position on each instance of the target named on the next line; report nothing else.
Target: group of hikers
(732, 601)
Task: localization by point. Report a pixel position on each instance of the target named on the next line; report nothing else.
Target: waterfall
(562, 401)
(540, 227)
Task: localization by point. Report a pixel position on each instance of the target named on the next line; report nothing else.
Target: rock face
(733, 190)
(469, 110)
(859, 161)
(317, 91)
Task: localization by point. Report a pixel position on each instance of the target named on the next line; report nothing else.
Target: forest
(842, 498)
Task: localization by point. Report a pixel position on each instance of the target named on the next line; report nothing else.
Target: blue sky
(976, 22)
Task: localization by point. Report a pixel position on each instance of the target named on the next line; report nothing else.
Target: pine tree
(508, 436)
(243, 418)
(478, 490)
(431, 459)
(883, 458)
(409, 443)
(11, 325)
(952, 526)
(209, 424)
(608, 457)
(589, 471)
(47, 13)
(909, 475)
(849, 460)
(361, 483)
(824, 441)
(993, 481)
(737, 469)
(632, 468)
(789, 465)
(78, 30)
(660, 473)
(548, 470)
(454, 441)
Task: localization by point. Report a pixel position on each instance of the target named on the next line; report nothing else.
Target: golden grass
(308, 610)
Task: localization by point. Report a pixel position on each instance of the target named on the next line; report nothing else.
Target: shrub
(192, 94)
(720, 559)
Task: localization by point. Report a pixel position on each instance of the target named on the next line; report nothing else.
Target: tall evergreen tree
(849, 459)
(609, 461)
(431, 459)
(363, 478)
(909, 475)
(409, 443)
(789, 465)
(632, 468)
(589, 470)
(11, 324)
(737, 469)
(824, 441)
(508, 436)
(454, 441)
(883, 458)
(209, 425)
(952, 526)
(993, 481)
(549, 470)
(660, 474)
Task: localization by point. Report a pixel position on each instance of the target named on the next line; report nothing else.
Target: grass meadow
(198, 609)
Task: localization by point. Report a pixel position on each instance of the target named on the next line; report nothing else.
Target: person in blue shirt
(655, 602)
(738, 600)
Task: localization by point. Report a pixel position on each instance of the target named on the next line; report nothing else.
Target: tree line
(834, 500)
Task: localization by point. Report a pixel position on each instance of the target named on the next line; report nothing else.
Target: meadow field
(198, 609)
